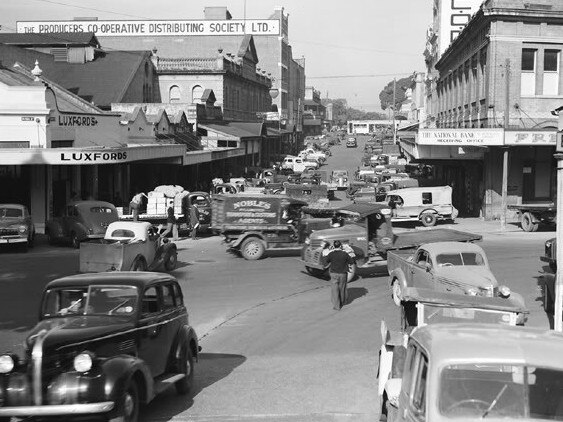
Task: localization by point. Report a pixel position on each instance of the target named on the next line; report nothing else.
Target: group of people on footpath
(171, 219)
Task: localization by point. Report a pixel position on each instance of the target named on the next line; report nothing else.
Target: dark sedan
(105, 345)
(16, 227)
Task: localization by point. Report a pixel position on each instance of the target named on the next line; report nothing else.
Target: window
(419, 393)
(528, 75)
(197, 92)
(168, 297)
(175, 94)
(150, 301)
(551, 72)
(178, 294)
(426, 198)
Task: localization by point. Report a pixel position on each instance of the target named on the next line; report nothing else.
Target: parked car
(351, 143)
(453, 372)
(533, 214)
(550, 254)
(444, 266)
(295, 164)
(81, 220)
(129, 246)
(16, 227)
(426, 204)
(105, 345)
(340, 178)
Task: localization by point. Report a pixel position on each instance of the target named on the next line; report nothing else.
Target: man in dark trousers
(339, 262)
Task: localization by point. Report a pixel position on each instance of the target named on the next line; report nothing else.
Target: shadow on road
(355, 293)
(211, 368)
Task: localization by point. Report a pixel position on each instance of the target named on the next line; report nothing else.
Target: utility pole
(505, 149)
(558, 306)
(394, 111)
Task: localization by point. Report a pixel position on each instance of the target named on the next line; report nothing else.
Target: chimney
(217, 13)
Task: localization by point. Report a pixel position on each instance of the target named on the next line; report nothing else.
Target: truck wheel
(396, 292)
(139, 265)
(252, 249)
(548, 301)
(129, 404)
(74, 240)
(171, 261)
(553, 266)
(428, 219)
(186, 367)
(315, 272)
(527, 223)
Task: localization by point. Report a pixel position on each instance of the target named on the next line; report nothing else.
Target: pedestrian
(194, 221)
(135, 204)
(171, 224)
(339, 262)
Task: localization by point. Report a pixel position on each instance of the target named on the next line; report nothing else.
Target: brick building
(314, 112)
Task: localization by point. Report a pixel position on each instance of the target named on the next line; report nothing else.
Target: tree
(342, 113)
(386, 95)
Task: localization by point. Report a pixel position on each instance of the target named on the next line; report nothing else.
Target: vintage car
(444, 266)
(455, 372)
(81, 220)
(105, 345)
(16, 227)
(550, 255)
(351, 143)
(129, 246)
(426, 204)
(340, 178)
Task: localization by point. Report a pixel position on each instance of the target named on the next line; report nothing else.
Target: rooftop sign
(152, 28)
(461, 137)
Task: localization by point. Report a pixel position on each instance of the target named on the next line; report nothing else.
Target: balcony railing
(186, 64)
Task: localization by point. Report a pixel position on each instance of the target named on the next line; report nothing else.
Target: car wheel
(74, 240)
(171, 261)
(252, 249)
(129, 404)
(186, 367)
(139, 265)
(315, 272)
(553, 266)
(428, 219)
(396, 292)
(528, 224)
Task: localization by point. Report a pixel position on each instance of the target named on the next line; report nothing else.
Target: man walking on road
(339, 262)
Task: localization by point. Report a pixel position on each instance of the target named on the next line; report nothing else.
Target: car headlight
(7, 364)
(504, 291)
(473, 291)
(83, 362)
(20, 228)
(386, 211)
(307, 241)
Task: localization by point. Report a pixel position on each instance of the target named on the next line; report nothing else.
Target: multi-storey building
(314, 112)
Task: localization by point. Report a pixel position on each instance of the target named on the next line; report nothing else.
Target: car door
(173, 309)
(414, 402)
(152, 331)
(421, 270)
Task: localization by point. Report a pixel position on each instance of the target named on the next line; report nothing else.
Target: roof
(451, 343)
(230, 130)
(91, 203)
(135, 278)
(451, 247)
(102, 81)
(52, 39)
(11, 78)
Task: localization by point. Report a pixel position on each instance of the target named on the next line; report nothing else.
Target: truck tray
(416, 238)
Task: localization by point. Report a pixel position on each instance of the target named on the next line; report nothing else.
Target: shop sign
(141, 28)
(530, 138)
(65, 120)
(461, 137)
(93, 157)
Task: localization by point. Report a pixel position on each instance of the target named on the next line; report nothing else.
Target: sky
(352, 48)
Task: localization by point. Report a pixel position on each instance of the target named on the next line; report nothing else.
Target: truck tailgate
(419, 237)
(100, 257)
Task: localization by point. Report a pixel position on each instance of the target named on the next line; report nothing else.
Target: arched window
(175, 94)
(197, 92)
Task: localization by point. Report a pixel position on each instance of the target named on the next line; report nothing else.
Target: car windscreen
(92, 300)
(101, 210)
(436, 314)
(501, 391)
(463, 258)
(10, 212)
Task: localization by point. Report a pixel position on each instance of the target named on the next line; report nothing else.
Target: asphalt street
(273, 347)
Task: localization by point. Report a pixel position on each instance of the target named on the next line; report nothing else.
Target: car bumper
(55, 410)
(13, 240)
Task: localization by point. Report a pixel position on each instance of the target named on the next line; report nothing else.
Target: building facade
(314, 113)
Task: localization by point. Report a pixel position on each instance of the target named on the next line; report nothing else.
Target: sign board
(461, 137)
(454, 15)
(156, 28)
(542, 138)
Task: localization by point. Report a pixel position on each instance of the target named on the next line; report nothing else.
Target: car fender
(245, 236)
(518, 298)
(188, 334)
(161, 254)
(79, 229)
(428, 211)
(55, 228)
(399, 275)
(120, 370)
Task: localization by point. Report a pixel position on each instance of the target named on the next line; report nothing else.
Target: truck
(128, 246)
(367, 228)
(253, 224)
(452, 267)
(531, 215)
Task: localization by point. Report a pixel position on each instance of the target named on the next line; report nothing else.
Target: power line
(360, 76)
(90, 8)
(347, 47)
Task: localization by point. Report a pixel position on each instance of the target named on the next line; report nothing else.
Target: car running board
(165, 381)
